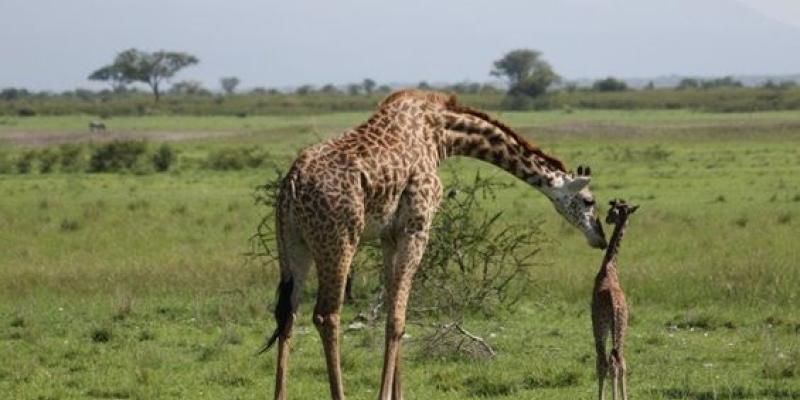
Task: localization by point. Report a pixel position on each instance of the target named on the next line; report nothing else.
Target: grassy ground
(127, 286)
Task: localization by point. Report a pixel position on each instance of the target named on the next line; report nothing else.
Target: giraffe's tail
(283, 308)
(283, 311)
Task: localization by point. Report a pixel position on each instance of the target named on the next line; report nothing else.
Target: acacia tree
(113, 75)
(153, 69)
(229, 84)
(353, 89)
(527, 73)
(369, 86)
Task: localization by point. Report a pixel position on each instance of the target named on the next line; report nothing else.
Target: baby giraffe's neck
(610, 260)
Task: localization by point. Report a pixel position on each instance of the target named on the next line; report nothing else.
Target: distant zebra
(95, 126)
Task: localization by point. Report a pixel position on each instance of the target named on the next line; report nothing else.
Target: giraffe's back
(364, 172)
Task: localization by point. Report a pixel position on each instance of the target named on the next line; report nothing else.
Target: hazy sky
(55, 44)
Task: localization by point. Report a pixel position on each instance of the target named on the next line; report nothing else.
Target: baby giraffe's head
(619, 211)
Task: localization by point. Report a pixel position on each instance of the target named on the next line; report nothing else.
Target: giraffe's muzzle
(596, 237)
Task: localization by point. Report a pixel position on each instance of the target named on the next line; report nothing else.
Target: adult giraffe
(380, 178)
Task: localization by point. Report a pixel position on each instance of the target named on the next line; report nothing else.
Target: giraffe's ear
(577, 184)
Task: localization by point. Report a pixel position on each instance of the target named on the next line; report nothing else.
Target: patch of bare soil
(45, 139)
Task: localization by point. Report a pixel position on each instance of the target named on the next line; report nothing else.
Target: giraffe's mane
(453, 105)
(450, 102)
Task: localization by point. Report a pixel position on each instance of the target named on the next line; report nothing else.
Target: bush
(163, 157)
(71, 157)
(115, 156)
(236, 158)
(48, 159)
(24, 163)
(610, 84)
(475, 261)
(26, 112)
(6, 166)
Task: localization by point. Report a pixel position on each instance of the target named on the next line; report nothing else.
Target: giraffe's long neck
(610, 260)
(473, 134)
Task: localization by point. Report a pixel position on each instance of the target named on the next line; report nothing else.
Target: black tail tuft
(283, 311)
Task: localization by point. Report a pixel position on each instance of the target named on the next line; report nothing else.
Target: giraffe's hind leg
(333, 262)
(295, 261)
(406, 245)
(398, 288)
(389, 249)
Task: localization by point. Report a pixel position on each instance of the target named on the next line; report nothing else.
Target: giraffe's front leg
(402, 254)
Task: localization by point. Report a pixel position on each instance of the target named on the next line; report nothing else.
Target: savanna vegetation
(129, 267)
(190, 99)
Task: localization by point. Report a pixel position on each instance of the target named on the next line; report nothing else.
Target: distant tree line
(528, 81)
(692, 83)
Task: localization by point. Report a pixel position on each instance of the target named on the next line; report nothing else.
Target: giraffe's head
(619, 211)
(572, 198)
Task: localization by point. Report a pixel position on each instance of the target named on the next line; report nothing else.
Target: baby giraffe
(609, 311)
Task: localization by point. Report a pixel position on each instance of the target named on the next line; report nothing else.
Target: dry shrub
(476, 262)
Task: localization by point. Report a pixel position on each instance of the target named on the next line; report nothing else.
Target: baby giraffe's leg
(600, 334)
(618, 342)
(622, 390)
(615, 374)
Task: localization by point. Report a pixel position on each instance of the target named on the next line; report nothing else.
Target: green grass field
(138, 286)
